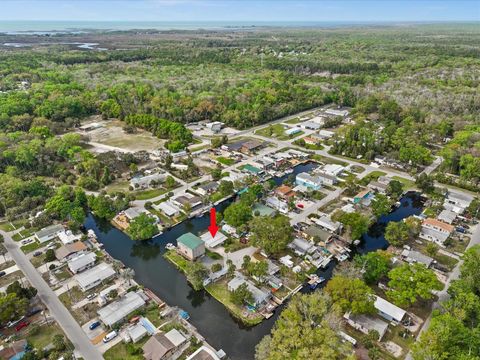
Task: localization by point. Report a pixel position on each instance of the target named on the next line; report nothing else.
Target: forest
(413, 91)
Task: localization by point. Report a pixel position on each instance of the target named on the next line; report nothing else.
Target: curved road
(66, 321)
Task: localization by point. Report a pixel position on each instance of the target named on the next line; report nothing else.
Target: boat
(184, 315)
(289, 171)
(169, 246)
(314, 281)
(356, 242)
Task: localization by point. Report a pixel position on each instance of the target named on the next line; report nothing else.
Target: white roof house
(458, 199)
(145, 181)
(211, 242)
(447, 216)
(325, 134)
(309, 181)
(301, 246)
(94, 276)
(167, 208)
(327, 223)
(82, 262)
(277, 204)
(49, 233)
(137, 332)
(311, 125)
(292, 131)
(120, 309)
(336, 112)
(203, 353)
(132, 213)
(68, 237)
(259, 296)
(412, 256)
(175, 337)
(388, 310)
(366, 323)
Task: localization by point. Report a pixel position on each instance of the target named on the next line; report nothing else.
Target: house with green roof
(190, 246)
(263, 210)
(252, 169)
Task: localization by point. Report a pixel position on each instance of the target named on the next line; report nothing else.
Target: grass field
(41, 336)
(30, 247)
(126, 351)
(150, 193)
(409, 184)
(220, 292)
(373, 176)
(225, 161)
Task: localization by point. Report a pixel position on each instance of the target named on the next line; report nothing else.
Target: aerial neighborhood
(318, 219)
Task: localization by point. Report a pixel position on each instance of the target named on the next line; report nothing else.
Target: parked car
(91, 296)
(15, 322)
(460, 229)
(94, 325)
(22, 325)
(300, 206)
(37, 253)
(27, 241)
(33, 312)
(2, 273)
(110, 336)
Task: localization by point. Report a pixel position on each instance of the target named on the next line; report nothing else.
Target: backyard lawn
(409, 184)
(225, 161)
(148, 194)
(373, 176)
(41, 336)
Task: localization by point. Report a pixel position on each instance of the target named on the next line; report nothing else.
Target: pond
(210, 317)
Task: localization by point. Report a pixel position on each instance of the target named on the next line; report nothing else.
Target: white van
(110, 336)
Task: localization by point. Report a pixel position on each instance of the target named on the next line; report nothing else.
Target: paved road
(66, 321)
(318, 204)
(443, 295)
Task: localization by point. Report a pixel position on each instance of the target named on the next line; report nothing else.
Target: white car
(110, 336)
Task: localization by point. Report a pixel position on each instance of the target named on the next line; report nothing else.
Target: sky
(244, 10)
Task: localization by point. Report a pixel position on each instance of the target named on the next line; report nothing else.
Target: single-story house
(287, 261)
(378, 187)
(248, 168)
(277, 204)
(167, 208)
(301, 247)
(251, 146)
(292, 131)
(333, 169)
(389, 311)
(211, 242)
(68, 237)
(204, 353)
(447, 216)
(162, 345)
(82, 262)
(48, 233)
(364, 197)
(310, 125)
(412, 256)
(144, 182)
(95, 276)
(436, 231)
(325, 134)
(68, 251)
(325, 222)
(260, 297)
(230, 230)
(309, 181)
(137, 332)
(366, 323)
(132, 213)
(285, 192)
(263, 210)
(118, 310)
(315, 233)
(457, 201)
(190, 246)
(327, 178)
(207, 188)
(182, 200)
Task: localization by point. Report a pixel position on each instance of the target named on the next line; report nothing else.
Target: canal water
(210, 317)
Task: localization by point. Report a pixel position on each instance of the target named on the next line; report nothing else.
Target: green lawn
(7, 279)
(276, 130)
(178, 260)
(148, 194)
(220, 292)
(30, 247)
(38, 260)
(125, 351)
(117, 186)
(328, 160)
(373, 176)
(72, 296)
(41, 336)
(409, 184)
(225, 161)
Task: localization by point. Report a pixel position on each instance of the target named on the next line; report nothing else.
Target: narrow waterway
(210, 317)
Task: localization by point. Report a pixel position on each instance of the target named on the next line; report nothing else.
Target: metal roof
(118, 310)
(190, 240)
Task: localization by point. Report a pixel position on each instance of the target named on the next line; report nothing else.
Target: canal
(210, 317)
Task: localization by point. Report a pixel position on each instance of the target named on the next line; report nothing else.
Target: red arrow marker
(213, 228)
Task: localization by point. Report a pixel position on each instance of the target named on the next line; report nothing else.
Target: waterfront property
(118, 310)
(260, 297)
(436, 231)
(68, 251)
(162, 345)
(82, 262)
(309, 181)
(190, 246)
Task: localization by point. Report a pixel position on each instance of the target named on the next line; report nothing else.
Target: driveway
(63, 317)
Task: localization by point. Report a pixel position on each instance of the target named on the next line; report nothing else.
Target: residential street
(454, 275)
(66, 321)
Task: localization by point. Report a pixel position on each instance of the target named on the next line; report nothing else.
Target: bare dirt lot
(111, 134)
